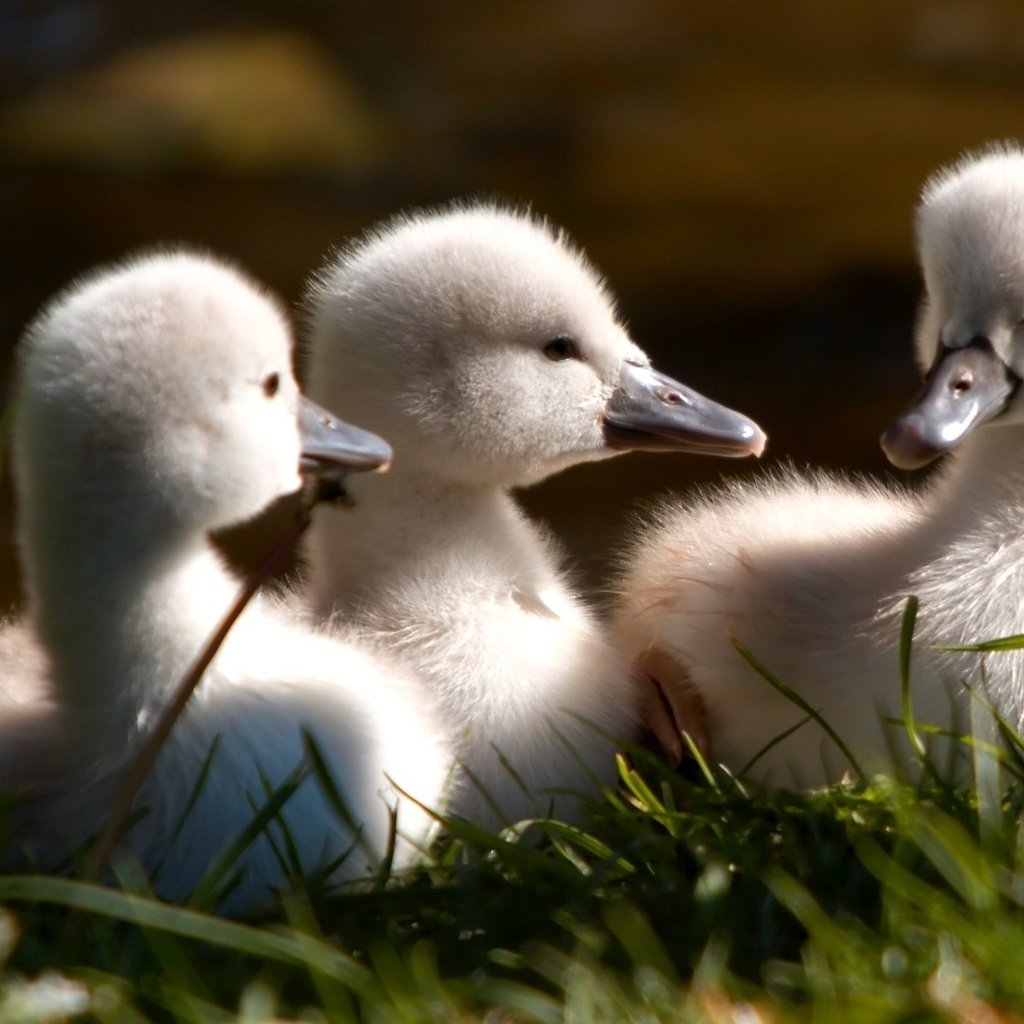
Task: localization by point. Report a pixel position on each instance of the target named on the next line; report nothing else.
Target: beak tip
(758, 442)
(905, 445)
(913, 440)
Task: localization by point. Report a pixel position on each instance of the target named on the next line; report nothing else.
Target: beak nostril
(962, 384)
(670, 397)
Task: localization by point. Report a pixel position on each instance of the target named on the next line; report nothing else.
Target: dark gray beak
(964, 388)
(330, 445)
(650, 412)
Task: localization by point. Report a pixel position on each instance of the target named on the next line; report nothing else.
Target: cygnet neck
(400, 521)
(981, 489)
(967, 554)
(123, 604)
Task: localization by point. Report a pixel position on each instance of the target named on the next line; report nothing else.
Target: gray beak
(650, 412)
(330, 445)
(964, 388)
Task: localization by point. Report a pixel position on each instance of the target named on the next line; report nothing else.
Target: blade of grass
(524, 856)
(291, 948)
(1003, 643)
(773, 742)
(204, 772)
(987, 760)
(387, 861)
(910, 725)
(702, 764)
(638, 938)
(477, 783)
(591, 844)
(800, 902)
(956, 855)
(645, 798)
(207, 892)
(905, 656)
(794, 697)
(330, 788)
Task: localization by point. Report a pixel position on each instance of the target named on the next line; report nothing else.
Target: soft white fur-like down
(434, 331)
(148, 415)
(812, 574)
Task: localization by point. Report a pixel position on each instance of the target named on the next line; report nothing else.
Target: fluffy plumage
(157, 403)
(488, 350)
(812, 575)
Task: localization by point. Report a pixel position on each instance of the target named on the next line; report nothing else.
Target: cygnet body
(812, 575)
(157, 403)
(490, 350)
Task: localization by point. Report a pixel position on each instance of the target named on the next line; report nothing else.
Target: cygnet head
(482, 341)
(970, 331)
(161, 391)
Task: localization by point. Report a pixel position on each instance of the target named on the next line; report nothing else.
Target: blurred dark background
(743, 173)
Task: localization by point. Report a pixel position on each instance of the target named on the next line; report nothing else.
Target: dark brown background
(744, 173)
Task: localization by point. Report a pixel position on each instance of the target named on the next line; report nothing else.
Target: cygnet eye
(560, 348)
(271, 384)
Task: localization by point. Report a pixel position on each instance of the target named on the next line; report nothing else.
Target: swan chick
(812, 574)
(158, 403)
(487, 349)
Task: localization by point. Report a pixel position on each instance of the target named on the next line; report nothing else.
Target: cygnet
(812, 575)
(483, 344)
(157, 403)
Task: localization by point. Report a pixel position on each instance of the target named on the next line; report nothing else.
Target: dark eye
(561, 348)
(271, 384)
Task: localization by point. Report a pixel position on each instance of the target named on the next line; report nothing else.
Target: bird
(157, 403)
(484, 344)
(812, 573)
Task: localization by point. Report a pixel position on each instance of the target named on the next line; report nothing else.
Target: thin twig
(132, 783)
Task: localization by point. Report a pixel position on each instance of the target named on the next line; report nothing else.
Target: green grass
(679, 900)
(681, 897)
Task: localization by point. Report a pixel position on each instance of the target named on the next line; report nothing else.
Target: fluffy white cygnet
(487, 349)
(157, 403)
(813, 575)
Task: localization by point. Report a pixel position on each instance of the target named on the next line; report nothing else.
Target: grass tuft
(696, 896)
